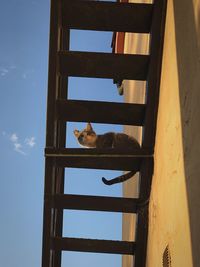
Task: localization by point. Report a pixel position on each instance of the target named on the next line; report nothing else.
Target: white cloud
(14, 138)
(30, 141)
(17, 147)
(3, 71)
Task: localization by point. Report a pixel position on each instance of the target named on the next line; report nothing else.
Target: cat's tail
(119, 179)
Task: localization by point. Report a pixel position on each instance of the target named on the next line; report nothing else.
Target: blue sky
(24, 27)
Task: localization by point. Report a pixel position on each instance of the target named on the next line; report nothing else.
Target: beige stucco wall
(175, 198)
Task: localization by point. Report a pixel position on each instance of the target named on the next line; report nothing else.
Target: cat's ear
(76, 133)
(89, 127)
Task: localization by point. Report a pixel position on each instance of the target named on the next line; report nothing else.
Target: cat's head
(86, 137)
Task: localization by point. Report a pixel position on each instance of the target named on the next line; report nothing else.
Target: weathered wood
(96, 203)
(52, 76)
(110, 159)
(103, 65)
(105, 163)
(60, 142)
(154, 74)
(48, 215)
(146, 173)
(95, 15)
(93, 245)
(100, 152)
(141, 238)
(106, 16)
(100, 112)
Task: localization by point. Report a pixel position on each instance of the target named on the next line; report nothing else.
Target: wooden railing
(101, 16)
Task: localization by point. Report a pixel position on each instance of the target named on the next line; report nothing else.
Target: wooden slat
(101, 152)
(153, 80)
(93, 245)
(100, 112)
(106, 16)
(105, 163)
(96, 203)
(103, 65)
(110, 159)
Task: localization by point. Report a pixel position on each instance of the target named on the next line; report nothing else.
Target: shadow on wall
(188, 59)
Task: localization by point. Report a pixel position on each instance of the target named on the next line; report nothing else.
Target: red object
(119, 42)
(118, 38)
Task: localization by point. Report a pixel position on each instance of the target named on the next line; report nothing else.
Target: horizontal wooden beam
(105, 163)
(93, 245)
(100, 112)
(95, 203)
(103, 65)
(106, 16)
(98, 152)
(110, 159)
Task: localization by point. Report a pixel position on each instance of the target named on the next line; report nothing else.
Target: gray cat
(88, 138)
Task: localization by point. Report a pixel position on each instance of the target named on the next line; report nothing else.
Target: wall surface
(175, 197)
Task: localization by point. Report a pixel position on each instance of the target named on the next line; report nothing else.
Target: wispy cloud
(14, 138)
(30, 141)
(17, 146)
(3, 71)
(10, 68)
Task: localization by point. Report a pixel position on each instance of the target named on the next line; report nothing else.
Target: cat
(88, 138)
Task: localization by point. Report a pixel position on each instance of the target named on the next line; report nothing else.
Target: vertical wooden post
(48, 225)
(154, 73)
(64, 36)
(146, 172)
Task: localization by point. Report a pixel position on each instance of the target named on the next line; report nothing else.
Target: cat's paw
(120, 89)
